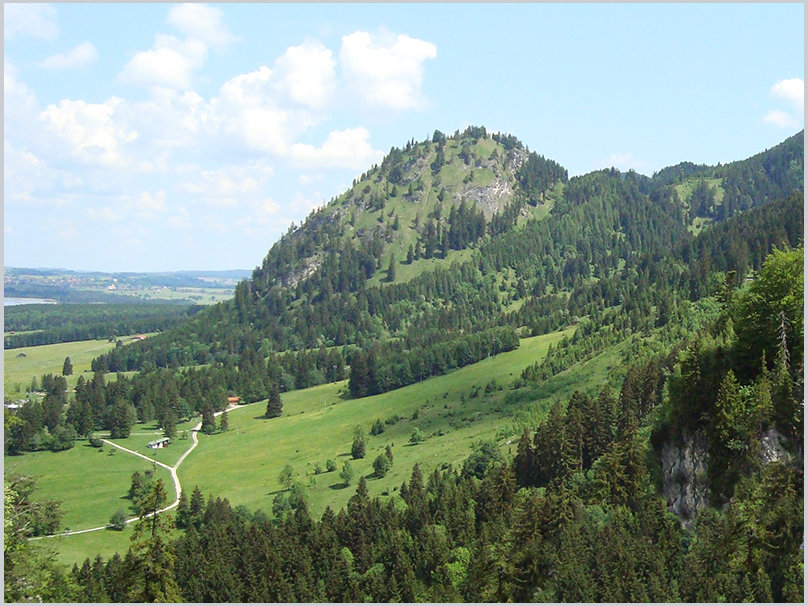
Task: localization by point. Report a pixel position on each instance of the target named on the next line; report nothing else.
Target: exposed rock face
(772, 448)
(490, 198)
(684, 476)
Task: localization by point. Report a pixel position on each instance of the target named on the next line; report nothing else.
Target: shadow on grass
(338, 486)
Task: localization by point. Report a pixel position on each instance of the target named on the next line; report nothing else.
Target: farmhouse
(159, 443)
(233, 400)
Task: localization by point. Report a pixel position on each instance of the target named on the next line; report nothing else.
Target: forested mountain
(683, 484)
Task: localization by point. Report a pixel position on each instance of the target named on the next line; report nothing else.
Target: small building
(159, 443)
(233, 400)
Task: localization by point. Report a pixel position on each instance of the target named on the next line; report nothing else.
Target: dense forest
(576, 515)
(696, 273)
(46, 324)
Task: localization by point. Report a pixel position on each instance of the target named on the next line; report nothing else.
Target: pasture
(23, 364)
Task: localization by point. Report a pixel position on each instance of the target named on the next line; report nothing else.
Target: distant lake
(25, 301)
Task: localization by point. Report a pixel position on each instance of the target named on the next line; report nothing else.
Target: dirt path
(171, 469)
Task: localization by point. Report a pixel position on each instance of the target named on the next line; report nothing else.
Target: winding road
(171, 469)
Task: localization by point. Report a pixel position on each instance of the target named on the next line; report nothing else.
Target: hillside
(643, 335)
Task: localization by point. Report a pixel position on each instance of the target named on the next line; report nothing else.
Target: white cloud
(247, 108)
(170, 63)
(105, 214)
(792, 90)
(349, 148)
(386, 72)
(306, 73)
(89, 130)
(82, 55)
(781, 119)
(29, 20)
(201, 22)
(230, 186)
(152, 202)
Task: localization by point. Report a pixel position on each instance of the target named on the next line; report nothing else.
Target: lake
(7, 301)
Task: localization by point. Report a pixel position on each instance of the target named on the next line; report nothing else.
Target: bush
(377, 428)
(96, 442)
(118, 520)
(331, 465)
(417, 437)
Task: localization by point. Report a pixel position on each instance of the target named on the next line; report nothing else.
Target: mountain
(651, 451)
(470, 232)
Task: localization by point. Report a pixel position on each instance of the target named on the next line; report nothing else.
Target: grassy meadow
(452, 412)
(43, 359)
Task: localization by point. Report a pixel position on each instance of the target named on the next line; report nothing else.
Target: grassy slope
(44, 359)
(318, 423)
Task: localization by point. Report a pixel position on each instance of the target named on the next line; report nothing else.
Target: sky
(162, 137)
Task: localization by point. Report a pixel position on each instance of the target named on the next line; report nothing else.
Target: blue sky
(154, 137)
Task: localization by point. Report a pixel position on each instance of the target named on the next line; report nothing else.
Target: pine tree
(274, 403)
(391, 270)
(67, 368)
(151, 555)
(224, 423)
(208, 420)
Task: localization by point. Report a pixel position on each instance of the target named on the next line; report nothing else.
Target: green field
(90, 482)
(18, 370)
(317, 424)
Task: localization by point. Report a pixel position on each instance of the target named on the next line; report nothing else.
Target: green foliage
(359, 443)
(346, 474)
(381, 465)
(118, 520)
(286, 476)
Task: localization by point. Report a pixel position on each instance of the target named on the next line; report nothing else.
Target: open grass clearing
(90, 483)
(23, 364)
(317, 424)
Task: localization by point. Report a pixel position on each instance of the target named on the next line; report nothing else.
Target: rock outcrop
(684, 476)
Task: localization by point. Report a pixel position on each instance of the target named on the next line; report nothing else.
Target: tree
(151, 557)
(286, 476)
(331, 465)
(359, 443)
(274, 403)
(67, 368)
(170, 424)
(381, 465)
(417, 436)
(391, 270)
(208, 420)
(118, 520)
(346, 475)
(377, 427)
(224, 423)
(121, 419)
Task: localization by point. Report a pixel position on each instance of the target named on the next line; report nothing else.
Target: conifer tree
(67, 367)
(274, 403)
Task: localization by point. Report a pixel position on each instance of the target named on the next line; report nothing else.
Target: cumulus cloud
(201, 22)
(781, 119)
(792, 90)
(81, 56)
(349, 148)
(29, 20)
(170, 63)
(386, 72)
(90, 130)
(306, 74)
